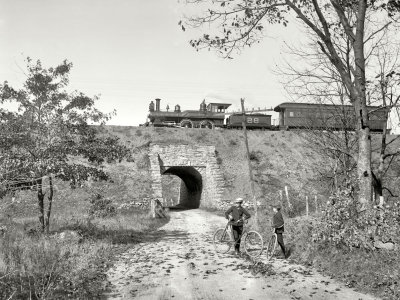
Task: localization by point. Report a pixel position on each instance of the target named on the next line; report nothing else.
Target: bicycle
(271, 247)
(223, 240)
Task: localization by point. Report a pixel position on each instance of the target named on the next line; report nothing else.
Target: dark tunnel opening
(191, 186)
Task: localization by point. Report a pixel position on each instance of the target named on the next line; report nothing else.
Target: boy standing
(278, 224)
(236, 214)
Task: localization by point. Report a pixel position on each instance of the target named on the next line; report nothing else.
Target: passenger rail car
(326, 116)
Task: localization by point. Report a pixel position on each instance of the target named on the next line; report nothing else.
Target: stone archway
(202, 180)
(191, 186)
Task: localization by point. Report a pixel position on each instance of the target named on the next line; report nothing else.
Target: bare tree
(318, 81)
(242, 23)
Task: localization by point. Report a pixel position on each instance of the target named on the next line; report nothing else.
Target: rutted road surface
(178, 262)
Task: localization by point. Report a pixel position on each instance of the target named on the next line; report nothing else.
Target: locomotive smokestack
(158, 104)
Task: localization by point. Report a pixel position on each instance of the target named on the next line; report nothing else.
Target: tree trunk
(360, 106)
(364, 168)
(40, 195)
(50, 198)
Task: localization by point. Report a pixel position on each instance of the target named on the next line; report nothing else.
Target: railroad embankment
(279, 159)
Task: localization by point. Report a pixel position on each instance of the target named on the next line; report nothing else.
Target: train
(291, 116)
(253, 121)
(327, 116)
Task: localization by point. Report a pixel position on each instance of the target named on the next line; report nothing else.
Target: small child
(278, 223)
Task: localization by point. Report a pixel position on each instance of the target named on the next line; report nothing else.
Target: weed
(254, 156)
(100, 206)
(49, 267)
(143, 161)
(232, 142)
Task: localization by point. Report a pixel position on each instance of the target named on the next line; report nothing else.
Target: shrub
(232, 143)
(143, 161)
(254, 156)
(345, 226)
(201, 136)
(49, 267)
(139, 132)
(101, 207)
(46, 267)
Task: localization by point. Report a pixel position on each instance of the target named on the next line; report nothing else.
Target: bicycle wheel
(222, 241)
(271, 246)
(253, 244)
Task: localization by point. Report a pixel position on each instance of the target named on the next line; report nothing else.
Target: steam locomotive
(291, 116)
(209, 116)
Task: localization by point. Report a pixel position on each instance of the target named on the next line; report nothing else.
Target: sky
(132, 51)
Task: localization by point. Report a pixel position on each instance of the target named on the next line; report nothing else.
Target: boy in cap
(236, 214)
(278, 224)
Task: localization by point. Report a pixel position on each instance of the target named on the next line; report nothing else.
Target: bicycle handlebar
(245, 221)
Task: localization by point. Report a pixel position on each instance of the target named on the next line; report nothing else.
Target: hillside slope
(278, 158)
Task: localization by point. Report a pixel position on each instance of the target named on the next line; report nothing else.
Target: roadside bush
(101, 207)
(344, 226)
(376, 272)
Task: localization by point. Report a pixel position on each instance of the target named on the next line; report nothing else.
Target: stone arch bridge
(202, 182)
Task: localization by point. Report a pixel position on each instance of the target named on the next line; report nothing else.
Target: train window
(255, 120)
(298, 114)
(249, 120)
(291, 114)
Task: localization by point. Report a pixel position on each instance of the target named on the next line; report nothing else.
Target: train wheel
(186, 123)
(207, 124)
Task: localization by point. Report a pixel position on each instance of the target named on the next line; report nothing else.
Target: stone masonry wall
(201, 158)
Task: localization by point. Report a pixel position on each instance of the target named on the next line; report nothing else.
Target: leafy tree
(51, 136)
(330, 24)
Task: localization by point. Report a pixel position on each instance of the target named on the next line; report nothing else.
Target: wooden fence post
(153, 207)
(287, 197)
(316, 203)
(307, 206)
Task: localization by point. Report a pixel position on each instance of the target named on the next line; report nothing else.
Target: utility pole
(249, 163)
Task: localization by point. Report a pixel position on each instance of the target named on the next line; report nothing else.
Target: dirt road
(178, 262)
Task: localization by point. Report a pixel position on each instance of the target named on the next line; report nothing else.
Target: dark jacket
(277, 220)
(237, 214)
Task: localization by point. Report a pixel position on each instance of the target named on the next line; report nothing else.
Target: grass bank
(69, 262)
